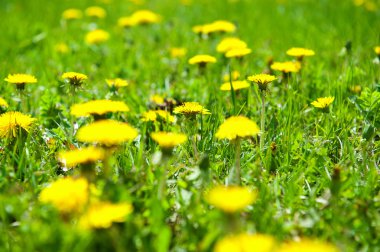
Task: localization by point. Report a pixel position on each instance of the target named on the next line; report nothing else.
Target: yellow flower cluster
(230, 199)
(154, 115)
(202, 59)
(117, 83)
(68, 195)
(286, 67)
(323, 102)
(236, 85)
(81, 156)
(98, 107)
(168, 140)
(97, 36)
(262, 80)
(214, 27)
(237, 127)
(12, 122)
(191, 108)
(246, 243)
(20, 79)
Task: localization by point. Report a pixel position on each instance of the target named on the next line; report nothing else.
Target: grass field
(286, 176)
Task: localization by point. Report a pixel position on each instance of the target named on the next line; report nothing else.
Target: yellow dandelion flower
(177, 52)
(12, 122)
(71, 14)
(262, 80)
(126, 22)
(3, 103)
(103, 214)
(230, 43)
(237, 126)
(218, 26)
(238, 52)
(117, 83)
(309, 246)
(235, 84)
(168, 140)
(97, 36)
(95, 12)
(165, 115)
(231, 199)
(300, 52)
(246, 242)
(157, 99)
(81, 156)
(62, 48)
(197, 29)
(323, 102)
(145, 17)
(202, 59)
(191, 108)
(235, 76)
(286, 67)
(107, 132)
(98, 107)
(20, 79)
(154, 115)
(149, 116)
(68, 195)
(75, 79)
(377, 50)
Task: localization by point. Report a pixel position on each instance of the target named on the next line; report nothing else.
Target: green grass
(320, 181)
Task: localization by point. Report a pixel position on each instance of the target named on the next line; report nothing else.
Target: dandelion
(3, 103)
(191, 108)
(116, 83)
(238, 52)
(286, 67)
(168, 140)
(95, 12)
(300, 53)
(98, 108)
(96, 37)
(246, 242)
(143, 17)
(231, 199)
(84, 156)
(107, 132)
(230, 43)
(177, 52)
(72, 14)
(103, 214)
(323, 103)
(126, 22)
(235, 76)
(309, 246)
(154, 115)
(236, 85)
(62, 48)
(157, 99)
(75, 79)
(202, 60)
(12, 122)
(20, 80)
(221, 26)
(68, 195)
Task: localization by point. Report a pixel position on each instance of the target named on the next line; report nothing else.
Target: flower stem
(262, 126)
(237, 161)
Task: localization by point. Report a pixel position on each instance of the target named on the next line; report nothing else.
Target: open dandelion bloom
(157, 99)
(98, 107)
(126, 22)
(309, 246)
(154, 115)
(66, 194)
(230, 199)
(117, 83)
(202, 59)
(230, 43)
(95, 12)
(377, 50)
(191, 108)
(237, 127)
(238, 52)
(286, 67)
(12, 122)
(103, 214)
(97, 36)
(262, 80)
(74, 78)
(168, 140)
(71, 14)
(246, 242)
(216, 26)
(20, 79)
(323, 102)
(300, 52)
(235, 75)
(177, 52)
(3, 103)
(236, 85)
(107, 132)
(81, 156)
(145, 17)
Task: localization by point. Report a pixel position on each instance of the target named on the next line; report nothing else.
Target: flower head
(3, 103)
(98, 107)
(62, 48)
(214, 27)
(145, 17)
(238, 52)
(97, 36)
(236, 85)
(230, 43)
(107, 132)
(68, 195)
(126, 22)
(95, 12)
(117, 83)
(309, 246)
(234, 75)
(81, 156)
(202, 59)
(71, 14)
(20, 79)
(323, 102)
(377, 50)
(168, 140)
(177, 52)
(12, 122)
(286, 67)
(103, 214)
(230, 199)
(157, 99)
(300, 52)
(246, 242)
(262, 80)
(75, 79)
(237, 127)
(154, 115)
(191, 108)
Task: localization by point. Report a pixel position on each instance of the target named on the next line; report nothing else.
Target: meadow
(190, 125)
